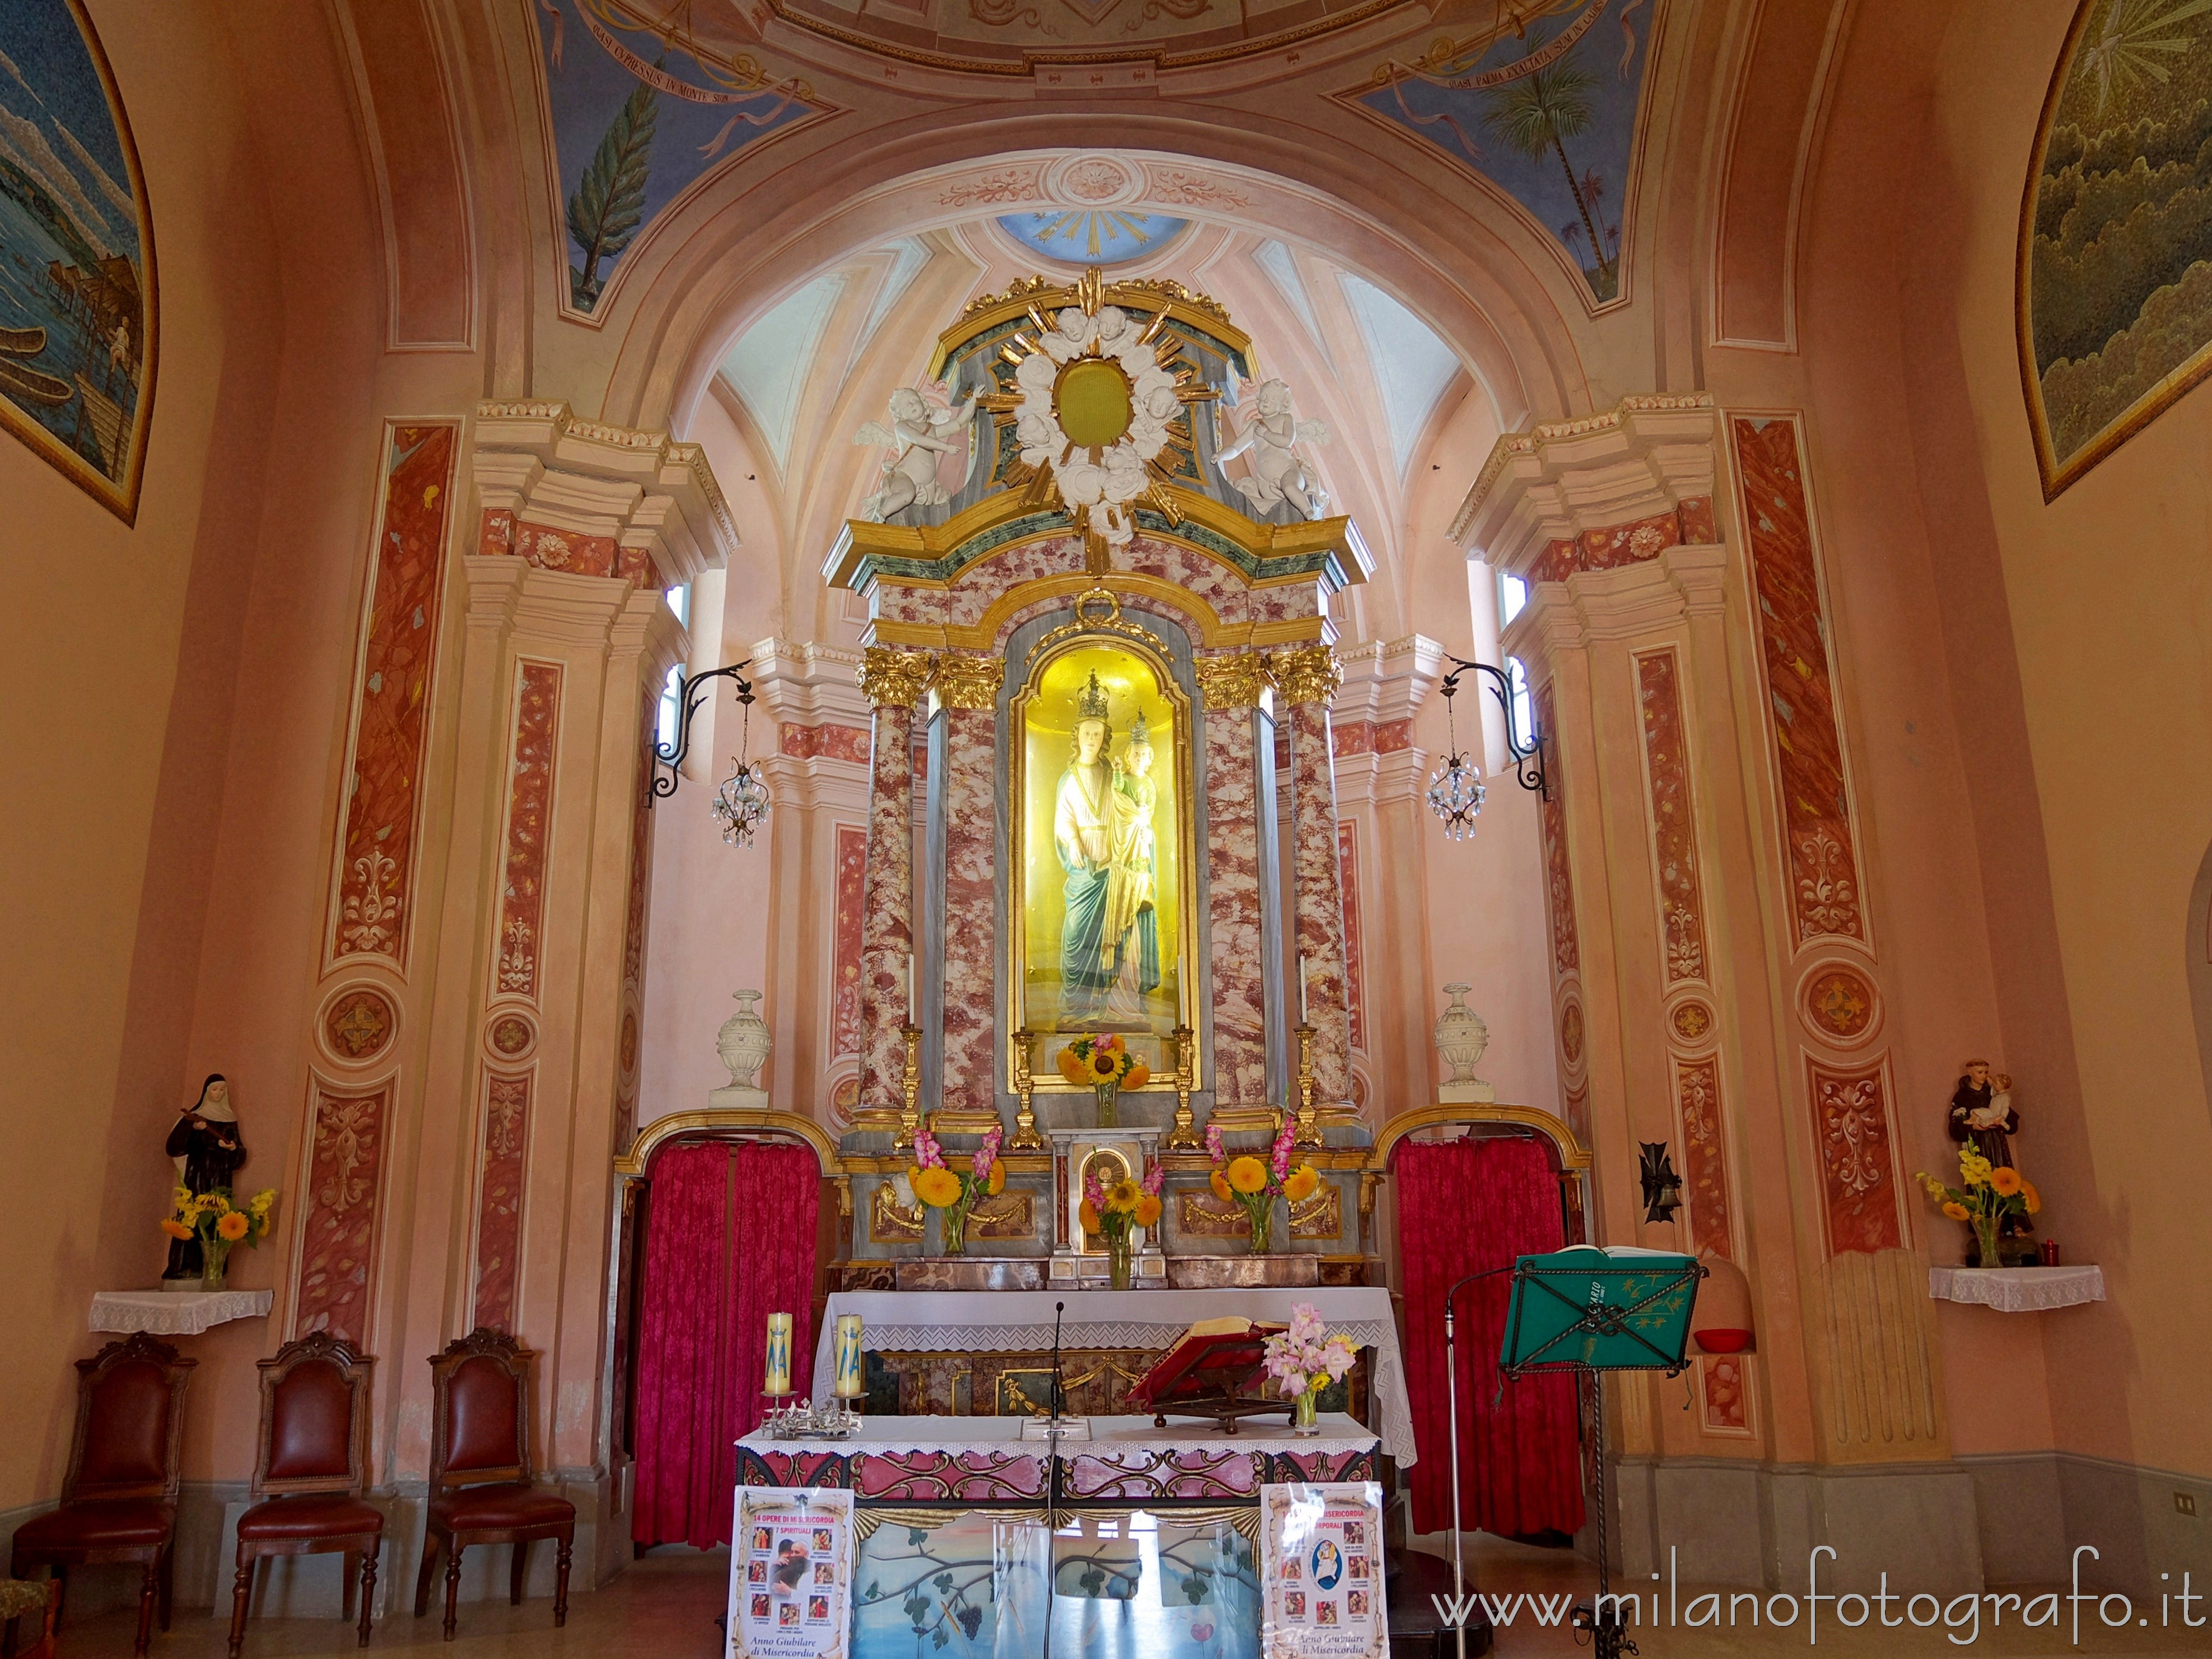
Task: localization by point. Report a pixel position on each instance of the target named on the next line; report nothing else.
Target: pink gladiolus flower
(1213, 1148)
(1155, 1178)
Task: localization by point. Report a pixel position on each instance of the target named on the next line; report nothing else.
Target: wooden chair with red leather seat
(119, 1500)
(310, 1473)
(480, 1487)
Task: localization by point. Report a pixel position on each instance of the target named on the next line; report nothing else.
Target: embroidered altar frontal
(1136, 1541)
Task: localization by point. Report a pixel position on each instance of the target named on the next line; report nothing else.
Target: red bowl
(1722, 1339)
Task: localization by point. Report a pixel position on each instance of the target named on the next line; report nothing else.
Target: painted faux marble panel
(1724, 1382)
(79, 311)
(1826, 893)
(529, 827)
(839, 743)
(1615, 545)
(2113, 285)
(499, 1198)
(970, 900)
(852, 856)
(372, 914)
(1355, 974)
(1318, 899)
(640, 877)
(1232, 868)
(1541, 100)
(1558, 877)
(1858, 1168)
(347, 1134)
(887, 908)
(1705, 1154)
(636, 117)
(1674, 823)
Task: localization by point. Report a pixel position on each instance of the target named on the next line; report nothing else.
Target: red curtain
(729, 1239)
(1465, 1206)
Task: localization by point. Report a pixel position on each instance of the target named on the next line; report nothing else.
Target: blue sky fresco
(72, 356)
(588, 85)
(1451, 100)
(1110, 237)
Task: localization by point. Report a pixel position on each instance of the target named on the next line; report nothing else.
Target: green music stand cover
(1586, 1309)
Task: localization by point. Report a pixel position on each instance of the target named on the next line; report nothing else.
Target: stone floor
(665, 1608)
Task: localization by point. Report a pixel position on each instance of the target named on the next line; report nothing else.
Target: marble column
(1231, 685)
(967, 687)
(1307, 679)
(892, 681)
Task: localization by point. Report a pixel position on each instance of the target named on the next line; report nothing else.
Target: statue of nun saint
(1110, 952)
(208, 1150)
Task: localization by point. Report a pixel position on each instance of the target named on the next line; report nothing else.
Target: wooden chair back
(314, 1418)
(129, 1422)
(480, 1411)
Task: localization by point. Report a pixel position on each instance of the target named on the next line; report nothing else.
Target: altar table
(1020, 1322)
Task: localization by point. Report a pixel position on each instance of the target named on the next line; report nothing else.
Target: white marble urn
(743, 1042)
(1460, 1038)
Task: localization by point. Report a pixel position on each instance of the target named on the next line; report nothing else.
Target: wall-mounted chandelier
(741, 800)
(1456, 790)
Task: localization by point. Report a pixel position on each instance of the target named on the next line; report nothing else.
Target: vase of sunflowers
(1254, 1184)
(1118, 1214)
(1987, 1198)
(953, 1193)
(1105, 1063)
(218, 1224)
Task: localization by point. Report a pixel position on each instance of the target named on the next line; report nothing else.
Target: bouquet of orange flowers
(1105, 1063)
(955, 1191)
(1254, 1184)
(1116, 1212)
(218, 1224)
(1988, 1198)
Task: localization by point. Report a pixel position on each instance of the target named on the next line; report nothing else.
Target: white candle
(1302, 990)
(779, 1353)
(849, 1385)
(911, 1019)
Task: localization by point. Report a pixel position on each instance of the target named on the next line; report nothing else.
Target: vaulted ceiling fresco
(1543, 102)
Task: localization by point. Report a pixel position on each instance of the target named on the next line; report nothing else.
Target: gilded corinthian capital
(1233, 681)
(891, 678)
(967, 682)
(1311, 673)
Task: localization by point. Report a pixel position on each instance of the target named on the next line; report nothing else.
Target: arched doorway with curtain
(724, 1229)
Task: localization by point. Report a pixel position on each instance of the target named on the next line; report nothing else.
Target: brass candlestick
(910, 1089)
(1025, 1136)
(1308, 1132)
(1183, 1137)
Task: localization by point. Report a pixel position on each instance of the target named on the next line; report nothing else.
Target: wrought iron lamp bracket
(672, 755)
(1526, 749)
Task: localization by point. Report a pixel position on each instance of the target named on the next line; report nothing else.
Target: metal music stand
(1584, 1309)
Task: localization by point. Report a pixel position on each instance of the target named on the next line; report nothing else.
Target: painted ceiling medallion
(1090, 236)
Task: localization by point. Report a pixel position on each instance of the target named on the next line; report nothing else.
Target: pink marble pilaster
(1316, 879)
(1232, 866)
(970, 925)
(887, 907)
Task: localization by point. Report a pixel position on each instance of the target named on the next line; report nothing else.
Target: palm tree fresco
(1547, 115)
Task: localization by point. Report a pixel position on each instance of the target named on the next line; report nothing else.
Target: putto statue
(918, 435)
(1277, 472)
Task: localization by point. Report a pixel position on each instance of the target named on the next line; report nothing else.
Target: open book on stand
(1206, 1372)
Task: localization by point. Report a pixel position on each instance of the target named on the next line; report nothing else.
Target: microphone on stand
(1059, 1397)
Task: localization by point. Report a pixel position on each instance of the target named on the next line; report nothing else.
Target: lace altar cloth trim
(2017, 1289)
(173, 1313)
(1008, 1321)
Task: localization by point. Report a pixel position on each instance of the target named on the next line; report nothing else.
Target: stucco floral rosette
(1087, 473)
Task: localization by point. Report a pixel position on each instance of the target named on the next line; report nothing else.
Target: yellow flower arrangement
(1302, 1183)
(1121, 1197)
(1096, 1061)
(940, 1188)
(1987, 1198)
(1248, 1174)
(231, 1225)
(2006, 1181)
(218, 1224)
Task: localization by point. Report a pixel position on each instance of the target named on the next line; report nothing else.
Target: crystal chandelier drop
(741, 801)
(1456, 790)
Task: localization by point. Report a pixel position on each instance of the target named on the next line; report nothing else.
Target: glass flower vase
(1262, 1217)
(215, 1262)
(1985, 1242)
(1305, 1413)
(1119, 1252)
(1108, 1096)
(953, 1220)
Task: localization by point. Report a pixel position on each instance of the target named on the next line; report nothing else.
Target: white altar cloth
(2018, 1290)
(1008, 1321)
(884, 1436)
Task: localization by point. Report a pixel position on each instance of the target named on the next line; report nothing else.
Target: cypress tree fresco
(610, 200)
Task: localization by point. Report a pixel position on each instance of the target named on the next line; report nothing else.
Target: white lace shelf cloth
(1111, 1437)
(173, 1313)
(1021, 1321)
(2018, 1290)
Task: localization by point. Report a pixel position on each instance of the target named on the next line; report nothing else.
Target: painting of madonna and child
(1103, 806)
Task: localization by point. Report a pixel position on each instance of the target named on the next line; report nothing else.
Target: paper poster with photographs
(1320, 1571)
(791, 1574)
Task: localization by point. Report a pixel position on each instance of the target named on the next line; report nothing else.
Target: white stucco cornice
(1641, 458)
(803, 683)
